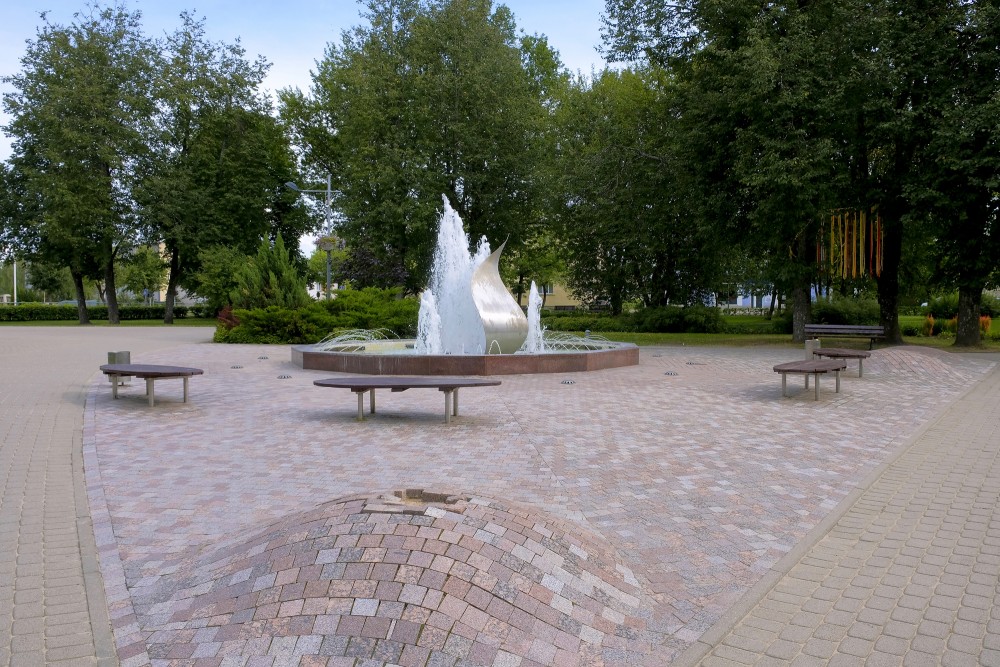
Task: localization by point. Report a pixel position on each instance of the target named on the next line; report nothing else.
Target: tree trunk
(110, 292)
(801, 310)
(774, 301)
(175, 269)
(967, 334)
(81, 298)
(888, 281)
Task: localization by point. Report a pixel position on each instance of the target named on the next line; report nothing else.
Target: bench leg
(185, 389)
(361, 405)
(371, 400)
(115, 379)
(861, 368)
(837, 374)
(817, 384)
(784, 389)
(149, 390)
(807, 380)
(447, 405)
(454, 403)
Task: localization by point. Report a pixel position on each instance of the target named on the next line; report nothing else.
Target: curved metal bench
(150, 373)
(809, 367)
(359, 384)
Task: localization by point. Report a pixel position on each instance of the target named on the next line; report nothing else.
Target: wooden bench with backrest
(150, 373)
(360, 384)
(872, 332)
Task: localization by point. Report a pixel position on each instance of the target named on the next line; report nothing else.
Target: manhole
(284, 377)
(671, 373)
(568, 382)
(236, 366)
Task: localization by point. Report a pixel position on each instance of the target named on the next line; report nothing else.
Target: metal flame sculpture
(504, 323)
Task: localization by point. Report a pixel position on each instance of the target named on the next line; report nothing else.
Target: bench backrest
(856, 329)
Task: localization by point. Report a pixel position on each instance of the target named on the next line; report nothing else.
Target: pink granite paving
(687, 477)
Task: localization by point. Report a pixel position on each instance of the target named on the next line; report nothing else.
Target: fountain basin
(394, 357)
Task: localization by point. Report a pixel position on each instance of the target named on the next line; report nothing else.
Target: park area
(638, 504)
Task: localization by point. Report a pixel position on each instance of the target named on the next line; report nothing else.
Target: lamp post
(325, 243)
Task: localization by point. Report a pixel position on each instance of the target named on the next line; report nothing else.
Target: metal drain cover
(284, 377)
(236, 366)
(263, 357)
(671, 373)
(568, 382)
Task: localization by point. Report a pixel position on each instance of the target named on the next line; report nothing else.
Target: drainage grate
(263, 357)
(236, 366)
(568, 382)
(671, 373)
(284, 377)
(694, 363)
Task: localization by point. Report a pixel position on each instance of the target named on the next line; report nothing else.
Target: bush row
(946, 307)
(42, 312)
(370, 308)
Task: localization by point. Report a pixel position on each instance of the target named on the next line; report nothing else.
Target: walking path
(52, 609)
(907, 574)
(670, 513)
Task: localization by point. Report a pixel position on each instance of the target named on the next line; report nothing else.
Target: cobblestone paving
(691, 468)
(909, 575)
(52, 609)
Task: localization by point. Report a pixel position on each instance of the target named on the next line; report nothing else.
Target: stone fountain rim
(621, 355)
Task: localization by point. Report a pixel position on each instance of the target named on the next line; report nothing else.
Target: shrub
(370, 308)
(41, 312)
(840, 310)
(928, 328)
(677, 319)
(985, 321)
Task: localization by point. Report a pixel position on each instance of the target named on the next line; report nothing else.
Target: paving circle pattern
(683, 490)
(413, 578)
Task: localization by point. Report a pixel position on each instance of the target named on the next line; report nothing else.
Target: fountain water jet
(468, 324)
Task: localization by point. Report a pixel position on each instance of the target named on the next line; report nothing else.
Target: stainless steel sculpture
(505, 324)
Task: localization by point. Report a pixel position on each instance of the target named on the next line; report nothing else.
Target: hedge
(47, 312)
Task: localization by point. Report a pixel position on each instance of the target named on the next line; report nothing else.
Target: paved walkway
(908, 573)
(52, 609)
(728, 525)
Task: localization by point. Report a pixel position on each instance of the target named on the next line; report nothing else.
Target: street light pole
(325, 243)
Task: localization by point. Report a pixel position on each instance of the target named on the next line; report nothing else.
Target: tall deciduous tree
(960, 164)
(80, 113)
(221, 159)
(427, 98)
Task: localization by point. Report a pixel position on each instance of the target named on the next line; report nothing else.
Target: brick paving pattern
(689, 474)
(908, 575)
(52, 609)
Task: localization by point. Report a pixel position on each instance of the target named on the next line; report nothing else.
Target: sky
(293, 34)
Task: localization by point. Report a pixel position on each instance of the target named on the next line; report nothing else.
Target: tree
(218, 276)
(80, 112)
(961, 161)
(757, 84)
(221, 158)
(143, 271)
(270, 279)
(427, 98)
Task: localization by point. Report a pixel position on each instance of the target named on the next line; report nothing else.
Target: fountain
(468, 324)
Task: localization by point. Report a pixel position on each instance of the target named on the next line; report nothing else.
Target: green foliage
(675, 319)
(840, 310)
(270, 279)
(428, 98)
(143, 271)
(81, 111)
(32, 312)
(945, 306)
(221, 158)
(217, 278)
(369, 308)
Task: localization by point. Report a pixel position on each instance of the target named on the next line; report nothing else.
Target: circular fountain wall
(395, 358)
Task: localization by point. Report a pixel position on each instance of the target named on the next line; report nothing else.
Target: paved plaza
(676, 512)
